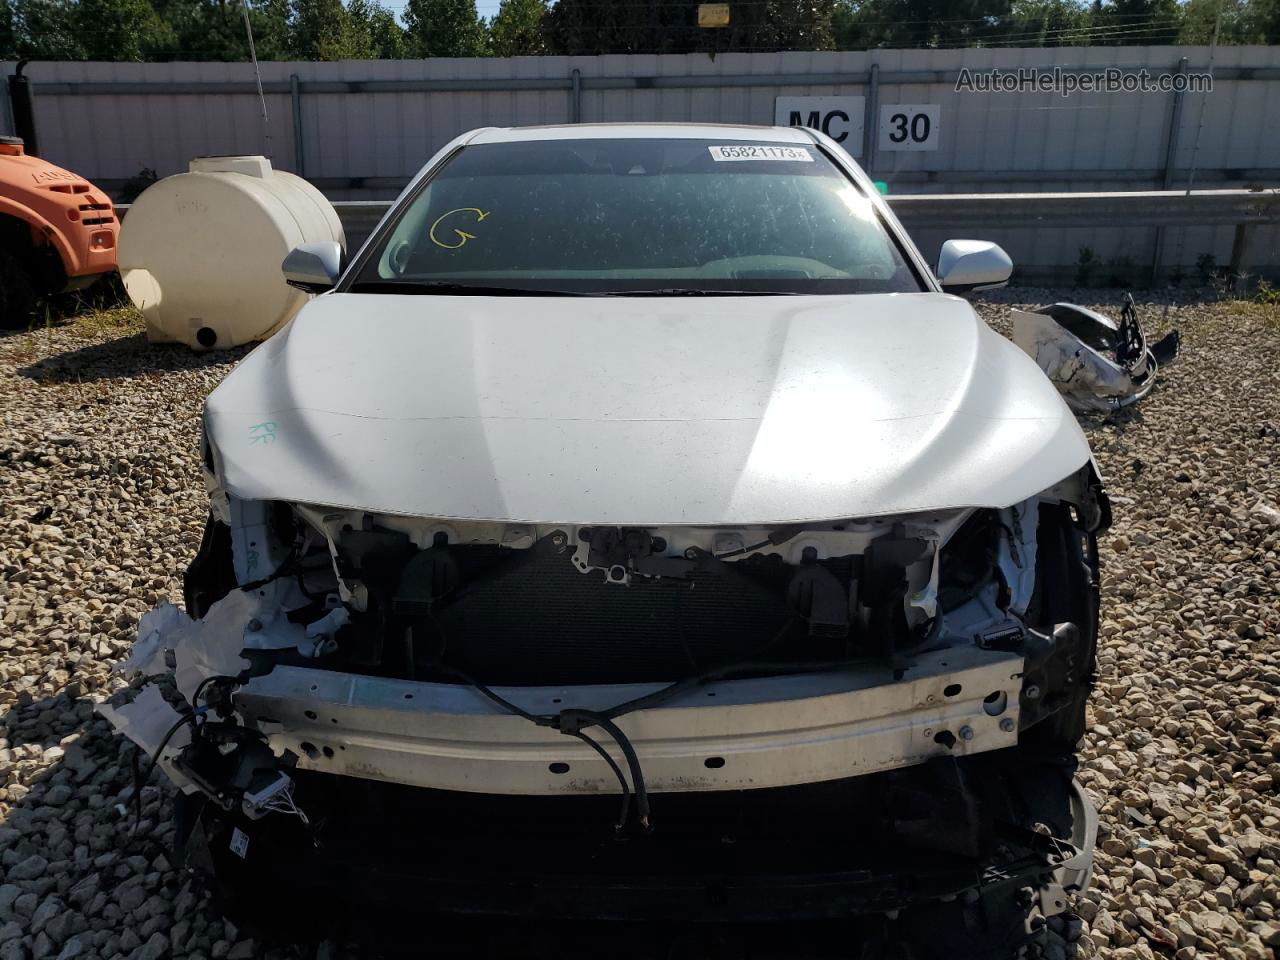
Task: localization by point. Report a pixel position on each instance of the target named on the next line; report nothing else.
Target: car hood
(641, 411)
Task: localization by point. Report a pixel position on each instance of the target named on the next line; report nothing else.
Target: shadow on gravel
(81, 874)
(130, 356)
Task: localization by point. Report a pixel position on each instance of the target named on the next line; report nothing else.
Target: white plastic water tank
(200, 252)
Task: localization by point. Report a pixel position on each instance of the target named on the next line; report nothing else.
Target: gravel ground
(101, 507)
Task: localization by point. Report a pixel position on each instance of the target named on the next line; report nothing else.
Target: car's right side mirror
(313, 267)
(965, 265)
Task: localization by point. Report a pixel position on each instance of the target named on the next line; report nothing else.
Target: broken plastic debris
(1097, 365)
(145, 718)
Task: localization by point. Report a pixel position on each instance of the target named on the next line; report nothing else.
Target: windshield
(633, 216)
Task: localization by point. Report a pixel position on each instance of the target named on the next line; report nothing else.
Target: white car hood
(641, 411)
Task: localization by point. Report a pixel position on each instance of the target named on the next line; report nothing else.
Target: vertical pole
(1239, 256)
(1170, 156)
(6, 117)
(299, 154)
(1175, 128)
(871, 120)
(575, 97)
(257, 75)
(24, 119)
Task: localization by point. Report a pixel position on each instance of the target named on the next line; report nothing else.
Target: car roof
(643, 131)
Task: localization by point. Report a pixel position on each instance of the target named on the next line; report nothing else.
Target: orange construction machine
(57, 232)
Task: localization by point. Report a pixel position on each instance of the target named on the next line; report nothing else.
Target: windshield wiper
(447, 287)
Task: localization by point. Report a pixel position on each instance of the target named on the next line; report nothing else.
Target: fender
(43, 228)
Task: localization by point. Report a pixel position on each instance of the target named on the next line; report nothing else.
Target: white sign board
(909, 126)
(840, 118)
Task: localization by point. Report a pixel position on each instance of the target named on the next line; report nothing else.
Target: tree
(383, 37)
(518, 28)
(1136, 22)
(1261, 22)
(8, 33)
(1243, 21)
(121, 30)
(444, 28)
(863, 24)
(45, 30)
(214, 29)
(1047, 23)
(623, 26)
(322, 30)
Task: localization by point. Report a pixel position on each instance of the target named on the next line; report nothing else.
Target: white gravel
(101, 508)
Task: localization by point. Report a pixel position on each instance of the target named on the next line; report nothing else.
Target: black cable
(570, 722)
(725, 673)
(140, 782)
(541, 720)
(617, 772)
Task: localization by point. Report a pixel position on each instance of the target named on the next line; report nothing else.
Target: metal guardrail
(573, 82)
(1147, 208)
(966, 212)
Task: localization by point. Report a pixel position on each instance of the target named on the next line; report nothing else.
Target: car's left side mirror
(965, 265)
(313, 267)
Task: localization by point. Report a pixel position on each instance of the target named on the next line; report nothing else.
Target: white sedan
(641, 483)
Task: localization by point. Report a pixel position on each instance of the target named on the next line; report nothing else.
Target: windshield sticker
(748, 151)
(460, 235)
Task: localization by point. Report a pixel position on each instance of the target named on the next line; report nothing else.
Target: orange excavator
(57, 233)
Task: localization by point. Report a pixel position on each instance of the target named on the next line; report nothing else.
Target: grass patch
(118, 321)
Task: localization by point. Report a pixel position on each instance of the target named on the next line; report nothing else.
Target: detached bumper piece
(987, 847)
(1097, 365)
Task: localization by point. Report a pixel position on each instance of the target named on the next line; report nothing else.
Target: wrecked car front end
(769, 596)
(818, 720)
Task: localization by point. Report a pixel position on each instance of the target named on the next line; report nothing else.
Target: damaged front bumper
(868, 717)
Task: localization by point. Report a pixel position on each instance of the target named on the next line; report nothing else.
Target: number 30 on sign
(909, 126)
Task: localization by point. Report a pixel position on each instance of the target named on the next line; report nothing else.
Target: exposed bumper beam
(768, 732)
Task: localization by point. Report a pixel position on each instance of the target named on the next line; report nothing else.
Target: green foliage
(1048, 23)
(363, 29)
(197, 30)
(444, 28)
(863, 24)
(1243, 21)
(386, 39)
(1137, 22)
(44, 30)
(623, 26)
(517, 30)
(327, 30)
(920, 23)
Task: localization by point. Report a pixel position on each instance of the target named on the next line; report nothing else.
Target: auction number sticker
(748, 151)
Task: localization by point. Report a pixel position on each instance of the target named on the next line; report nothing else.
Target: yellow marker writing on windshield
(462, 235)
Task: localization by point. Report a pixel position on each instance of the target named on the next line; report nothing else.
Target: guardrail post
(1239, 256)
(1170, 155)
(299, 156)
(870, 122)
(575, 97)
